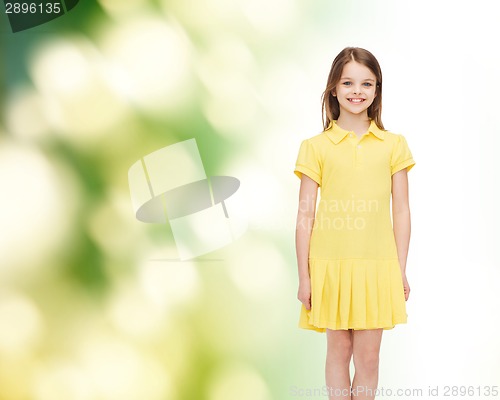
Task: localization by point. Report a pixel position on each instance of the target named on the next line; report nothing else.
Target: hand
(304, 294)
(406, 286)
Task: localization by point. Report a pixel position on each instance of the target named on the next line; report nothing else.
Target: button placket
(352, 141)
(358, 153)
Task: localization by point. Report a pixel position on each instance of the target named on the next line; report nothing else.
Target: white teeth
(356, 100)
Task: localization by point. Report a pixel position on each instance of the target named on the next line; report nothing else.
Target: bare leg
(366, 348)
(338, 358)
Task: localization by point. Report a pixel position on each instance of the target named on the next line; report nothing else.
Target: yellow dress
(356, 280)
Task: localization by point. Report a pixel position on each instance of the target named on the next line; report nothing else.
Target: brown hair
(330, 104)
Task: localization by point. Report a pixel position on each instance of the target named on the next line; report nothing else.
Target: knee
(344, 350)
(367, 362)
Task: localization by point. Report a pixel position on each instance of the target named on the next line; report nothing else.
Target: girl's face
(356, 89)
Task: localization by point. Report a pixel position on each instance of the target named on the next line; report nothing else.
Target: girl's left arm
(401, 220)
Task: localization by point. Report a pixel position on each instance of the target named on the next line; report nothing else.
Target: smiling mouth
(356, 101)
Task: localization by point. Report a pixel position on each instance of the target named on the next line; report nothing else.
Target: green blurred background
(93, 304)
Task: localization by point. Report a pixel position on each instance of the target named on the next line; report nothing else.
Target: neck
(358, 123)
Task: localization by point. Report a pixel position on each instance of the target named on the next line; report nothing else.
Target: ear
(333, 93)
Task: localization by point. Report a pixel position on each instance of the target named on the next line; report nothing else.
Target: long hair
(330, 104)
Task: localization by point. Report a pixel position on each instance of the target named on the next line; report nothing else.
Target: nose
(357, 90)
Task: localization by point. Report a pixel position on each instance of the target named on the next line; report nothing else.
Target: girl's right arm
(305, 220)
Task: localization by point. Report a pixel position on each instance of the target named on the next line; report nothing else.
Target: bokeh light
(257, 280)
(36, 194)
(152, 59)
(237, 379)
(70, 74)
(117, 8)
(273, 18)
(132, 313)
(167, 284)
(25, 101)
(228, 79)
(61, 380)
(118, 370)
(21, 324)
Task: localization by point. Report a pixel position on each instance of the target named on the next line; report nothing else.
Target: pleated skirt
(354, 294)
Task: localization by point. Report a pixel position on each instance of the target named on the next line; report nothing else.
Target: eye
(368, 84)
(347, 83)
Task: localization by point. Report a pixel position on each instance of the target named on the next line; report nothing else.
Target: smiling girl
(352, 260)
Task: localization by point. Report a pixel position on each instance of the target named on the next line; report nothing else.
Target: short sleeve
(308, 162)
(401, 156)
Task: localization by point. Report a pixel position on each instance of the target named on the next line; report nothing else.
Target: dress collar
(336, 133)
